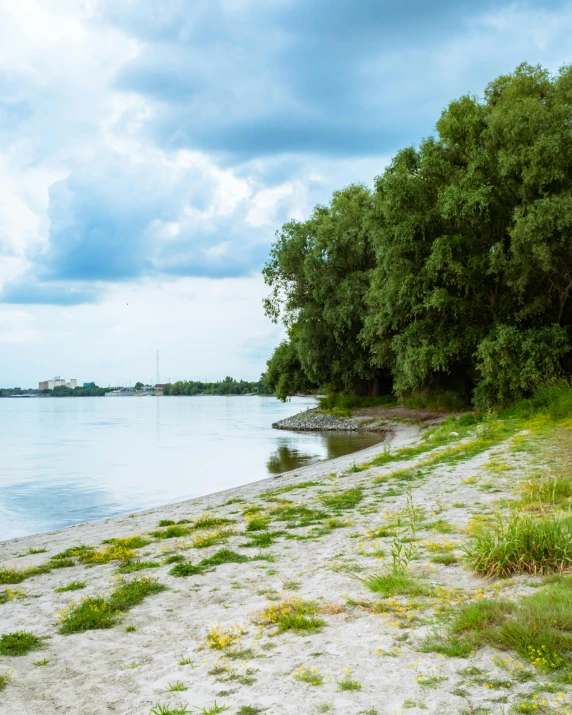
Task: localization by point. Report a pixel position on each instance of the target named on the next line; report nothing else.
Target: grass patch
(538, 628)
(186, 569)
(210, 520)
(129, 542)
(257, 523)
(170, 710)
(393, 582)
(10, 594)
(224, 556)
(132, 566)
(298, 516)
(19, 643)
(174, 559)
(348, 684)
(293, 614)
(4, 680)
(522, 543)
(341, 501)
(73, 586)
(445, 559)
(261, 540)
(210, 538)
(312, 676)
(273, 493)
(171, 532)
(99, 612)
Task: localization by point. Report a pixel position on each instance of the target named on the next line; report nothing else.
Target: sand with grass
(342, 587)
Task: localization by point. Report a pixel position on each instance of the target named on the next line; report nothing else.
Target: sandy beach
(159, 657)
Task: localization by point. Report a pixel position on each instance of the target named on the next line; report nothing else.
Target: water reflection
(333, 444)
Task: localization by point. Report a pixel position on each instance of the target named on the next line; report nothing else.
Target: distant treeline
(78, 391)
(228, 386)
(454, 274)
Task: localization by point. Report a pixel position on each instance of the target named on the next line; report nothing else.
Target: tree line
(454, 273)
(228, 386)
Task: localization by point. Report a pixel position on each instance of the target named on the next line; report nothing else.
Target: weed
(393, 582)
(168, 710)
(174, 559)
(224, 556)
(11, 594)
(171, 532)
(445, 559)
(312, 676)
(209, 538)
(293, 614)
(208, 521)
(213, 710)
(249, 710)
(4, 680)
(257, 523)
(40, 663)
(129, 542)
(298, 516)
(262, 540)
(98, 613)
(522, 543)
(130, 629)
(183, 660)
(219, 638)
(132, 566)
(186, 569)
(177, 687)
(19, 643)
(348, 684)
(73, 586)
(341, 501)
(166, 522)
(32, 551)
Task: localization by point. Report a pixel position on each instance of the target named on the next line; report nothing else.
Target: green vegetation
(19, 643)
(223, 556)
(132, 566)
(293, 614)
(4, 677)
(228, 386)
(447, 278)
(99, 612)
(73, 586)
(538, 628)
(393, 583)
(342, 500)
(522, 543)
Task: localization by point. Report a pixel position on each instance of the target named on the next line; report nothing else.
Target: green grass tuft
(132, 566)
(340, 501)
(73, 586)
(19, 643)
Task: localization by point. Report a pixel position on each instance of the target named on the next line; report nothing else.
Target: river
(67, 461)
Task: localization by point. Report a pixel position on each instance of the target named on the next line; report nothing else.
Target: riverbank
(363, 419)
(259, 598)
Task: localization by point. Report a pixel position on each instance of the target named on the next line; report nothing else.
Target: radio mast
(157, 377)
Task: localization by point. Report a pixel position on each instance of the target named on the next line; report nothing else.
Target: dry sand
(115, 671)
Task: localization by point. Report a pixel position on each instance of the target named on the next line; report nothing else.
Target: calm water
(68, 461)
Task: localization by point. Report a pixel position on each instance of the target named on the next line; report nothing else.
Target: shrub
(171, 532)
(73, 586)
(522, 543)
(186, 568)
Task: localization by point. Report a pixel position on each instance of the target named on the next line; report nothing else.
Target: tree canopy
(454, 273)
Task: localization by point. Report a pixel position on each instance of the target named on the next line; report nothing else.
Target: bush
(19, 643)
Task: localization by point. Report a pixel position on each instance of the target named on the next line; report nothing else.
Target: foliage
(453, 275)
(293, 614)
(228, 386)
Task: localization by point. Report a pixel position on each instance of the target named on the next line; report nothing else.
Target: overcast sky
(150, 150)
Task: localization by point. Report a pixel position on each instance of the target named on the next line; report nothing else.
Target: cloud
(27, 290)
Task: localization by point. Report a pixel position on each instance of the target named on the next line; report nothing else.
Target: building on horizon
(89, 384)
(57, 382)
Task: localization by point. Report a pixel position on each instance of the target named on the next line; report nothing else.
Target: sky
(149, 152)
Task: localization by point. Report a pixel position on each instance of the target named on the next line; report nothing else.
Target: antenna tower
(157, 378)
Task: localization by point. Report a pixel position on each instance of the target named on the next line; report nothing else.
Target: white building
(72, 384)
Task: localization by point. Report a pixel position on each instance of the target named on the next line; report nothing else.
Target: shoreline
(401, 436)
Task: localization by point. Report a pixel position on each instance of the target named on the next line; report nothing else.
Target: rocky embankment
(314, 420)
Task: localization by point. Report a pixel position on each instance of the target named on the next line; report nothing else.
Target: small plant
(168, 710)
(4, 680)
(293, 614)
(209, 520)
(73, 586)
(209, 538)
(348, 684)
(224, 556)
(129, 542)
(19, 643)
(219, 638)
(132, 566)
(130, 629)
(249, 710)
(11, 594)
(341, 501)
(187, 661)
(391, 582)
(100, 613)
(262, 539)
(312, 676)
(32, 551)
(174, 559)
(186, 568)
(177, 687)
(213, 710)
(40, 663)
(171, 532)
(257, 523)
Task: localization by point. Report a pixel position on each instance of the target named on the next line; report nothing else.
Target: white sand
(114, 671)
